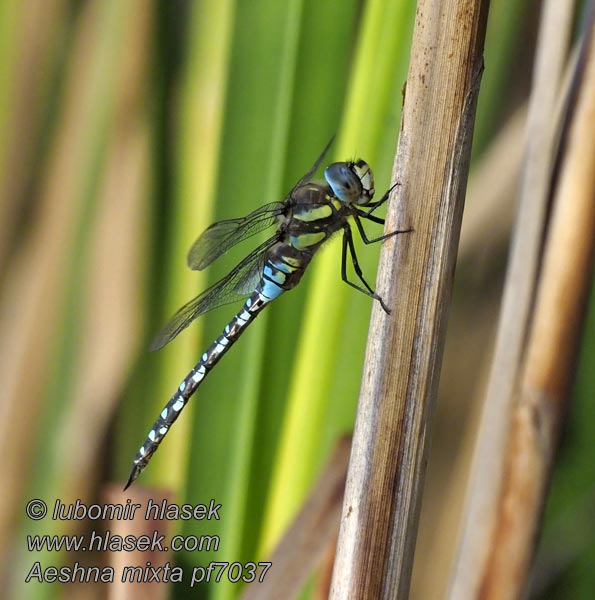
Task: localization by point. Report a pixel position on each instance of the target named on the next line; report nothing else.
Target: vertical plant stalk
(519, 295)
(552, 348)
(383, 494)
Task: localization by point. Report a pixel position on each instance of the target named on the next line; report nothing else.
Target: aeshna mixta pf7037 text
(310, 214)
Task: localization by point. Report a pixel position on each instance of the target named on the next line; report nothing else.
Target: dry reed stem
(485, 232)
(486, 472)
(381, 508)
(552, 350)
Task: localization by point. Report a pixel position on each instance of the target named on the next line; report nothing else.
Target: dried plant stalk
(551, 353)
(381, 508)
(519, 295)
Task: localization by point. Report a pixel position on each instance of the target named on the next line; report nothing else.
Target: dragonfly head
(351, 182)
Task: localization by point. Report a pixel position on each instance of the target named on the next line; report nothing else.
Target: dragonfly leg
(362, 232)
(348, 245)
(382, 200)
(364, 215)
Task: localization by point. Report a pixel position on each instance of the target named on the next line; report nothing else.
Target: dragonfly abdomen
(232, 331)
(282, 270)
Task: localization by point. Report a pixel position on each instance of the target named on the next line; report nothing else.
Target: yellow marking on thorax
(305, 240)
(315, 213)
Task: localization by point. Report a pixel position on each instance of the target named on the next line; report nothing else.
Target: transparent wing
(314, 167)
(220, 237)
(237, 284)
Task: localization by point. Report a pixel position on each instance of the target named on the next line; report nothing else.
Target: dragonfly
(307, 218)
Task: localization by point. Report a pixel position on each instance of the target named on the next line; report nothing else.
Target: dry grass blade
(486, 472)
(552, 349)
(304, 543)
(381, 508)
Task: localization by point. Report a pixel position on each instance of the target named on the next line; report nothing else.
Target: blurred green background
(126, 128)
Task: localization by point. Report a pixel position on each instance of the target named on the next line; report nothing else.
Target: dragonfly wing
(247, 281)
(313, 168)
(233, 287)
(221, 236)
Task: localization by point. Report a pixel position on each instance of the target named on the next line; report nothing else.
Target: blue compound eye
(351, 182)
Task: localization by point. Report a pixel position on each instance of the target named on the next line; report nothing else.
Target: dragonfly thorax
(351, 182)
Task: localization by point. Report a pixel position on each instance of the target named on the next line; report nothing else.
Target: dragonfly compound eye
(344, 182)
